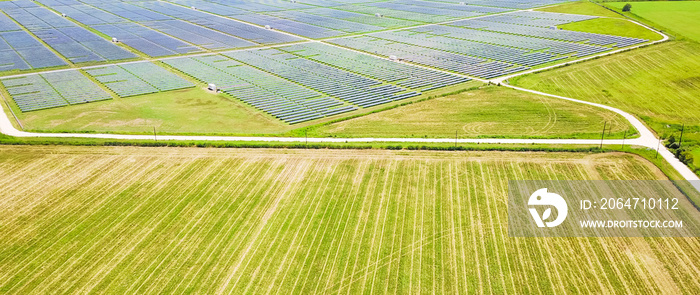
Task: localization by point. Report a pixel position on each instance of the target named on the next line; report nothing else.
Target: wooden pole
(623, 139)
(155, 136)
(680, 142)
(602, 136)
(657, 149)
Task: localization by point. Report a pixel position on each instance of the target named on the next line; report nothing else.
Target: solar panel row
(451, 13)
(138, 78)
(70, 40)
(49, 90)
(86, 14)
(281, 98)
(399, 14)
(380, 69)
(199, 36)
(459, 63)
(362, 18)
(147, 40)
(295, 27)
(564, 35)
(524, 42)
(515, 4)
(225, 25)
(452, 6)
(344, 85)
(327, 22)
(20, 51)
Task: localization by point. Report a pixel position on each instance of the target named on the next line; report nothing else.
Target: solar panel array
(221, 24)
(489, 46)
(362, 18)
(297, 81)
(349, 87)
(70, 40)
(138, 78)
(515, 4)
(21, 51)
(525, 42)
(459, 63)
(279, 97)
(548, 33)
(381, 69)
(147, 40)
(55, 89)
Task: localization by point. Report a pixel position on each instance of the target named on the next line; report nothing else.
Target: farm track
(173, 220)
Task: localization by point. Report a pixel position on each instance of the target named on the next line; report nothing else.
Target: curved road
(646, 139)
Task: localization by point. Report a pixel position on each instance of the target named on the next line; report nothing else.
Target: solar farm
(296, 61)
(349, 147)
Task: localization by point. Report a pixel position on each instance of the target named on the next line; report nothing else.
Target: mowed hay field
(154, 220)
(487, 112)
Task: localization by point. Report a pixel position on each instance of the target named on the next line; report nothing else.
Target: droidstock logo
(543, 198)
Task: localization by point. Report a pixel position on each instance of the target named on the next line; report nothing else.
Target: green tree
(627, 7)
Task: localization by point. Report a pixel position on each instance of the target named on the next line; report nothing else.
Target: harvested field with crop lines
(216, 221)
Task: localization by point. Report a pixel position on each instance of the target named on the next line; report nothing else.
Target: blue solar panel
(29, 53)
(200, 36)
(55, 89)
(6, 24)
(138, 78)
(10, 60)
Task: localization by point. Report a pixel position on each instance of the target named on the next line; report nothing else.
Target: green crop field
(488, 112)
(217, 221)
(682, 17)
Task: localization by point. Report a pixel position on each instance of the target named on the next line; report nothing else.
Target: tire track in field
(271, 210)
(54, 242)
(271, 246)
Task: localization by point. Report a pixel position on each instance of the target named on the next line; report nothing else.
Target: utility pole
(456, 138)
(306, 137)
(623, 139)
(155, 136)
(657, 149)
(680, 142)
(602, 136)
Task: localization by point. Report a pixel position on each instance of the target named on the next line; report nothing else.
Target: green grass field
(613, 26)
(658, 84)
(479, 113)
(488, 112)
(581, 7)
(217, 221)
(611, 23)
(182, 111)
(682, 17)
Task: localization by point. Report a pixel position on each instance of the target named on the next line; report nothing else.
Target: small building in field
(212, 87)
